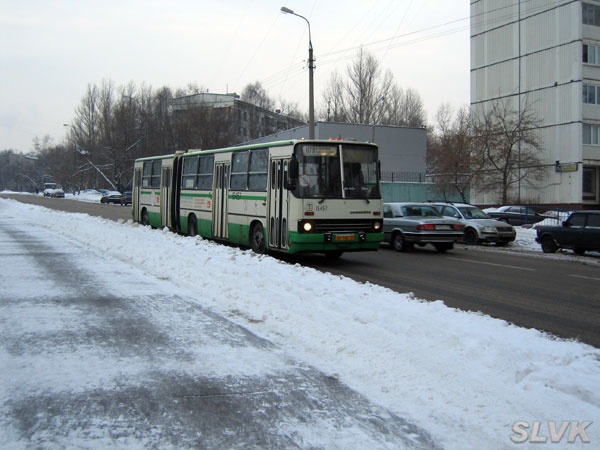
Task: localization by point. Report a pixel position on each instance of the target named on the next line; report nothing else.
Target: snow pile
(88, 195)
(464, 377)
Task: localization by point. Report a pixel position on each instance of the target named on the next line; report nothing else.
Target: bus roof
(250, 147)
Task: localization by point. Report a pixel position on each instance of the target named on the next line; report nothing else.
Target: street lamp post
(311, 67)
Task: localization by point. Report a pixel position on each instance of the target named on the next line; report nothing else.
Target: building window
(590, 134)
(590, 94)
(589, 183)
(591, 54)
(591, 14)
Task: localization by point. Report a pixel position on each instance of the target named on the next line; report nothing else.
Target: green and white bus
(291, 196)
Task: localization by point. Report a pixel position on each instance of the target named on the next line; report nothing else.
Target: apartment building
(545, 53)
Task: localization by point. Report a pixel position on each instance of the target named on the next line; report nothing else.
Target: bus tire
(145, 219)
(257, 239)
(192, 226)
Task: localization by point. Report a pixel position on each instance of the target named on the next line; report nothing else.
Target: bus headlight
(377, 226)
(307, 226)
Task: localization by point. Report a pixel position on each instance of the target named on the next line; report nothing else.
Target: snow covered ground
(471, 381)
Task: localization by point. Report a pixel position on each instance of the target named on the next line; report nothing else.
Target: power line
(349, 53)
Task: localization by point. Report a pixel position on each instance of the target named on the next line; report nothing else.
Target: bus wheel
(192, 226)
(257, 239)
(145, 219)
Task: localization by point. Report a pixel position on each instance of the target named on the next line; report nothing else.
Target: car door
(388, 215)
(571, 235)
(591, 232)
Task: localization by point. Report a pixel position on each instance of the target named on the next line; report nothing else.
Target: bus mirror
(290, 183)
(293, 169)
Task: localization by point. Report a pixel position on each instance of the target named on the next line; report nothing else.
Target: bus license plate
(344, 237)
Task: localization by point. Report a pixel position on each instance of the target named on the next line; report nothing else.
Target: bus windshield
(337, 171)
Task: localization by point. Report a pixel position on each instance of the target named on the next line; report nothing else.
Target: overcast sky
(51, 50)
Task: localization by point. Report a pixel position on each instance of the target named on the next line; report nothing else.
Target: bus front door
(165, 198)
(220, 195)
(278, 205)
(135, 194)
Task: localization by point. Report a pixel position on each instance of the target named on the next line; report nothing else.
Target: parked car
(517, 215)
(111, 197)
(580, 232)
(406, 224)
(53, 190)
(126, 198)
(479, 227)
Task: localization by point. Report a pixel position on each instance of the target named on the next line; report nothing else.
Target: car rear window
(422, 211)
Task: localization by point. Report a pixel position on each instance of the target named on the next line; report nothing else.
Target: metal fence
(406, 177)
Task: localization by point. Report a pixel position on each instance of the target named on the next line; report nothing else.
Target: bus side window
(239, 171)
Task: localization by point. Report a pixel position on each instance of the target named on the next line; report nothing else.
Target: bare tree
(449, 155)
(291, 109)
(255, 94)
(507, 145)
(366, 89)
(369, 96)
(333, 98)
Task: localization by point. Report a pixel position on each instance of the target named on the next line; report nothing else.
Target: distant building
(248, 121)
(402, 150)
(549, 53)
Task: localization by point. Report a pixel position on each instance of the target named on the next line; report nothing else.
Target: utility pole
(311, 68)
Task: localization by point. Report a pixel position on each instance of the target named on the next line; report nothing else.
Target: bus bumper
(326, 242)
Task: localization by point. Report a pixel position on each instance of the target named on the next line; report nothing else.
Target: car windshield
(419, 211)
(337, 171)
(472, 212)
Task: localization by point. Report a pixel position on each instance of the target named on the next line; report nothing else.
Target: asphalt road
(560, 295)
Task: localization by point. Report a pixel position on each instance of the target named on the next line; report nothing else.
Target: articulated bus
(292, 196)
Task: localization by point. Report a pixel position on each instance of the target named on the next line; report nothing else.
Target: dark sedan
(406, 224)
(580, 232)
(111, 197)
(517, 215)
(126, 198)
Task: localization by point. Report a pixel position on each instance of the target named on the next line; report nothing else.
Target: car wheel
(443, 246)
(399, 243)
(471, 237)
(257, 239)
(192, 226)
(102, 200)
(579, 251)
(145, 218)
(548, 245)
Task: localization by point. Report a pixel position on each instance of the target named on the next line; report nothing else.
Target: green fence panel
(415, 192)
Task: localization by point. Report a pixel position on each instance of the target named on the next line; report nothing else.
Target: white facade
(533, 50)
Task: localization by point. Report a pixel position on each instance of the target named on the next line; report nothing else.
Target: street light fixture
(311, 67)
